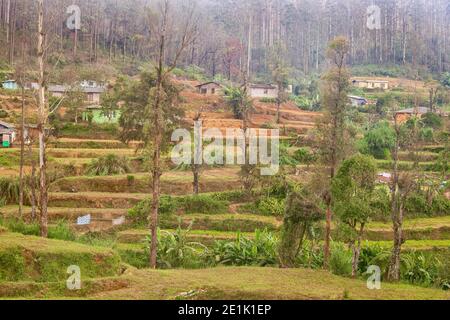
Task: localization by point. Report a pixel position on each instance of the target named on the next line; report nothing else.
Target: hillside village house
(7, 134)
(358, 101)
(267, 91)
(404, 115)
(371, 84)
(210, 88)
(10, 85)
(90, 88)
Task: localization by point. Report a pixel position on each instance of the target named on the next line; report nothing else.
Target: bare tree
(155, 103)
(43, 118)
(334, 90)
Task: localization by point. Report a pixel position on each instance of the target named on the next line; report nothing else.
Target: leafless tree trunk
(156, 100)
(22, 151)
(357, 251)
(43, 116)
(33, 197)
(396, 213)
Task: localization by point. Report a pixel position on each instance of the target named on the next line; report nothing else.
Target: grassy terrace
(173, 182)
(28, 258)
(258, 283)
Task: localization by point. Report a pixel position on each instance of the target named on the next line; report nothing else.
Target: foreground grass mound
(29, 258)
(260, 284)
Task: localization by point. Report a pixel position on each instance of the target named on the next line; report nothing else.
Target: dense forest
(232, 35)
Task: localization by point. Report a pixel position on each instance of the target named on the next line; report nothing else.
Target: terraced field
(111, 197)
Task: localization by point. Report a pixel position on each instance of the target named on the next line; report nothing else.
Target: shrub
(232, 196)
(270, 206)
(175, 251)
(432, 120)
(268, 100)
(203, 204)
(3, 114)
(261, 251)
(340, 260)
(373, 255)
(417, 204)
(420, 269)
(311, 257)
(110, 164)
(305, 156)
(9, 190)
(379, 141)
(302, 102)
(139, 213)
(61, 231)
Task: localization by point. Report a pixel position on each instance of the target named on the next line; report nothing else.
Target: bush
(9, 190)
(203, 204)
(302, 102)
(110, 164)
(311, 257)
(232, 196)
(3, 114)
(305, 156)
(417, 204)
(175, 251)
(268, 100)
(261, 251)
(432, 120)
(340, 260)
(373, 255)
(60, 231)
(424, 269)
(378, 141)
(270, 206)
(139, 213)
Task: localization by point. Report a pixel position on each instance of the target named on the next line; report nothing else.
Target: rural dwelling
(210, 88)
(96, 114)
(371, 84)
(358, 101)
(406, 114)
(90, 88)
(31, 133)
(7, 134)
(93, 94)
(267, 91)
(10, 85)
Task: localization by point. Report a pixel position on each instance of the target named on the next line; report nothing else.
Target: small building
(96, 114)
(10, 85)
(267, 91)
(58, 91)
(93, 93)
(358, 101)
(31, 132)
(406, 114)
(371, 84)
(210, 88)
(7, 134)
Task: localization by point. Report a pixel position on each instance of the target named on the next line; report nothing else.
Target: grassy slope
(258, 283)
(28, 258)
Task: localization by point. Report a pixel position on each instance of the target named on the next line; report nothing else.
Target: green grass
(415, 244)
(222, 222)
(174, 183)
(259, 284)
(137, 236)
(29, 258)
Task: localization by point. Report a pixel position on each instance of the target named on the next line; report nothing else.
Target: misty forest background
(232, 35)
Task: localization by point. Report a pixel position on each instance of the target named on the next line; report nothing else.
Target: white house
(210, 88)
(90, 88)
(264, 91)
